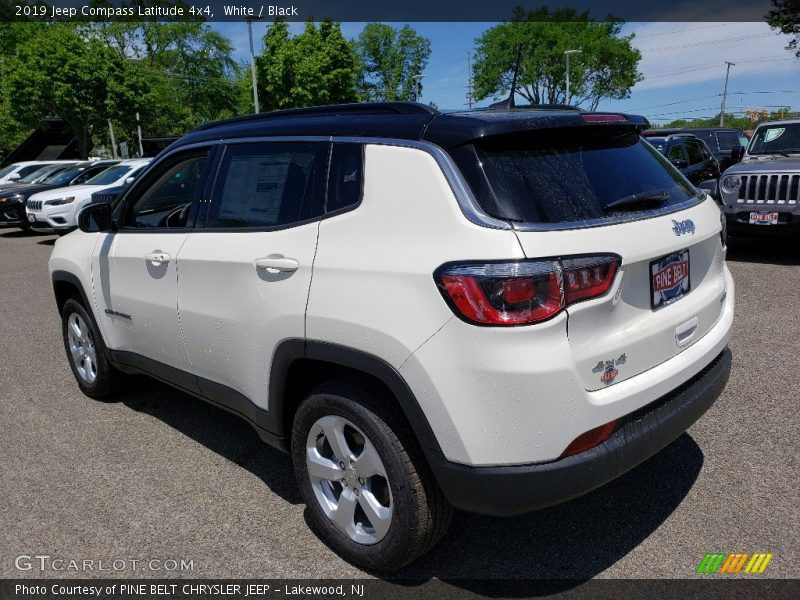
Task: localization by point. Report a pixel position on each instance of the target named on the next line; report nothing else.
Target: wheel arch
(65, 286)
(299, 365)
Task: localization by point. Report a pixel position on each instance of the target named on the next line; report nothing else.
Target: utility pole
(725, 93)
(113, 140)
(469, 80)
(567, 54)
(139, 130)
(253, 65)
(417, 86)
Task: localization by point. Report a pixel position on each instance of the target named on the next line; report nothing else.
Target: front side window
(695, 152)
(167, 201)
(110, 175)
(24, 171)
(268, 184)
(44, 172)
(728, 140)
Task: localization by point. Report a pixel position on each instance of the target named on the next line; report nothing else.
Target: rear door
(667, 292)
(245, 277)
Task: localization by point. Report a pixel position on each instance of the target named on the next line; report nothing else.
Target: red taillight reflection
(590, 439)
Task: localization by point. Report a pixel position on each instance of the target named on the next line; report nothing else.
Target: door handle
(277, 263)
(158, 258)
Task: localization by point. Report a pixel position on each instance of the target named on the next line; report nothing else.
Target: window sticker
(773, 134)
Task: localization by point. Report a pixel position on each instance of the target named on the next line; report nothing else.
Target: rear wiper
(633, 200)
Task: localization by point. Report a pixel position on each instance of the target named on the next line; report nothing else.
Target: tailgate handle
(684, 333)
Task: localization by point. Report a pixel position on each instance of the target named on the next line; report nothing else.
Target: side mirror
(679, 163)
(14, 177)
(130, 180)
(737, 154)
(711, 186)
(96, 217)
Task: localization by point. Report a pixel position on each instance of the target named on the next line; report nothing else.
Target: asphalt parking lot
(160, 475)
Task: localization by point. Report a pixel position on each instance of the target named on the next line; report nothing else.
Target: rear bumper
(513, 490)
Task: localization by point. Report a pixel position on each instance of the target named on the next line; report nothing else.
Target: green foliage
(606, 67)
(785, 17)
(318, 66)
(391, 58)
(57, 72)
(733, 121)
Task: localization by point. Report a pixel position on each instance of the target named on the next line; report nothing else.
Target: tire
(86, 352)
(418, 514)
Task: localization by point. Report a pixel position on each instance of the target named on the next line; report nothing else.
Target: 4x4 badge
(681, 227)
(608, 368)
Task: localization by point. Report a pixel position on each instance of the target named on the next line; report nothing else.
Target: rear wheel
(369, 492)
(86, 352)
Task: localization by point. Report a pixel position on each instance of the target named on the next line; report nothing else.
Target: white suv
(495, 310)
(58, 209)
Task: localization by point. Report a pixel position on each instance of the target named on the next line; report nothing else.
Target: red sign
(670, 276)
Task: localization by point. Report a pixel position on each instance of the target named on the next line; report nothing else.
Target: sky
(683, 65)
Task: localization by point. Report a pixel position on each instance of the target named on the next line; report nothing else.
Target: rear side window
(268, 184)
(678, 152)
(560, 176)
(346, 177)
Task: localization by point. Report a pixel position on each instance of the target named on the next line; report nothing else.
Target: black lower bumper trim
(513, 490)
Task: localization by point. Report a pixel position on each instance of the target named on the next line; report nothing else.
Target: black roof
(399, 120)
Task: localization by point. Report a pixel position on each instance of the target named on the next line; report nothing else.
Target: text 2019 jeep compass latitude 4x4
(495, 310)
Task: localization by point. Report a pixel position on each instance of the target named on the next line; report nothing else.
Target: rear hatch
(599, 190)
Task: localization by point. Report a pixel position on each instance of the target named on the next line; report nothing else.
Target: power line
(707, 43)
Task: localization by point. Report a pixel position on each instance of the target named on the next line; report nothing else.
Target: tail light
(523, 292)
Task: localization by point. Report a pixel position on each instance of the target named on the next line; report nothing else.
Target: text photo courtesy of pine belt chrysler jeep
(493, 310)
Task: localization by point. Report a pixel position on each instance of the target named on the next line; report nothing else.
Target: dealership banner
(376, 10)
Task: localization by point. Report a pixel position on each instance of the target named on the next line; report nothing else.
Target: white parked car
(58, 209)
(16, 171)
(493, 310)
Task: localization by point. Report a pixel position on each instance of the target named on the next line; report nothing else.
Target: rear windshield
(570, 175)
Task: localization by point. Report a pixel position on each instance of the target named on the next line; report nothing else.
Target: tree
(391, 59)
(785, 17)
(60, 73)
(318, 66)
(605, 68)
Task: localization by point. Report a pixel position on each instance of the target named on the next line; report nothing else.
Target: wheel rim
(349, 479)
(81, 348)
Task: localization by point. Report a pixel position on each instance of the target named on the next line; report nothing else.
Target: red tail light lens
(603, 118)
(590, 439)
(588, 277)
(523, 292)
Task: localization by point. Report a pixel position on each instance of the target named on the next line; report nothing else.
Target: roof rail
(332, 110)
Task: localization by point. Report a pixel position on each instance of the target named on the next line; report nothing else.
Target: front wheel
(369, 492)
(86, 352)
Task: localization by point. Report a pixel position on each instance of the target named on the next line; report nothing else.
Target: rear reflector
(590, 439)
(523, 292)
(602, 118)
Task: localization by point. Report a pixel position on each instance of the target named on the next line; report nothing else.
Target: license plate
(31, 219)
(763, 218)
(669, 279)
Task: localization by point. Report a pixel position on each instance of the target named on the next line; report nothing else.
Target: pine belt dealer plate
(763, 218)
(669, 279)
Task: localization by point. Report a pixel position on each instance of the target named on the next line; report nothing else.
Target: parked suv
(420, 307)
(764, 189)
(12, 201)
(57, 209)
(691, 157)
(719, 140)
